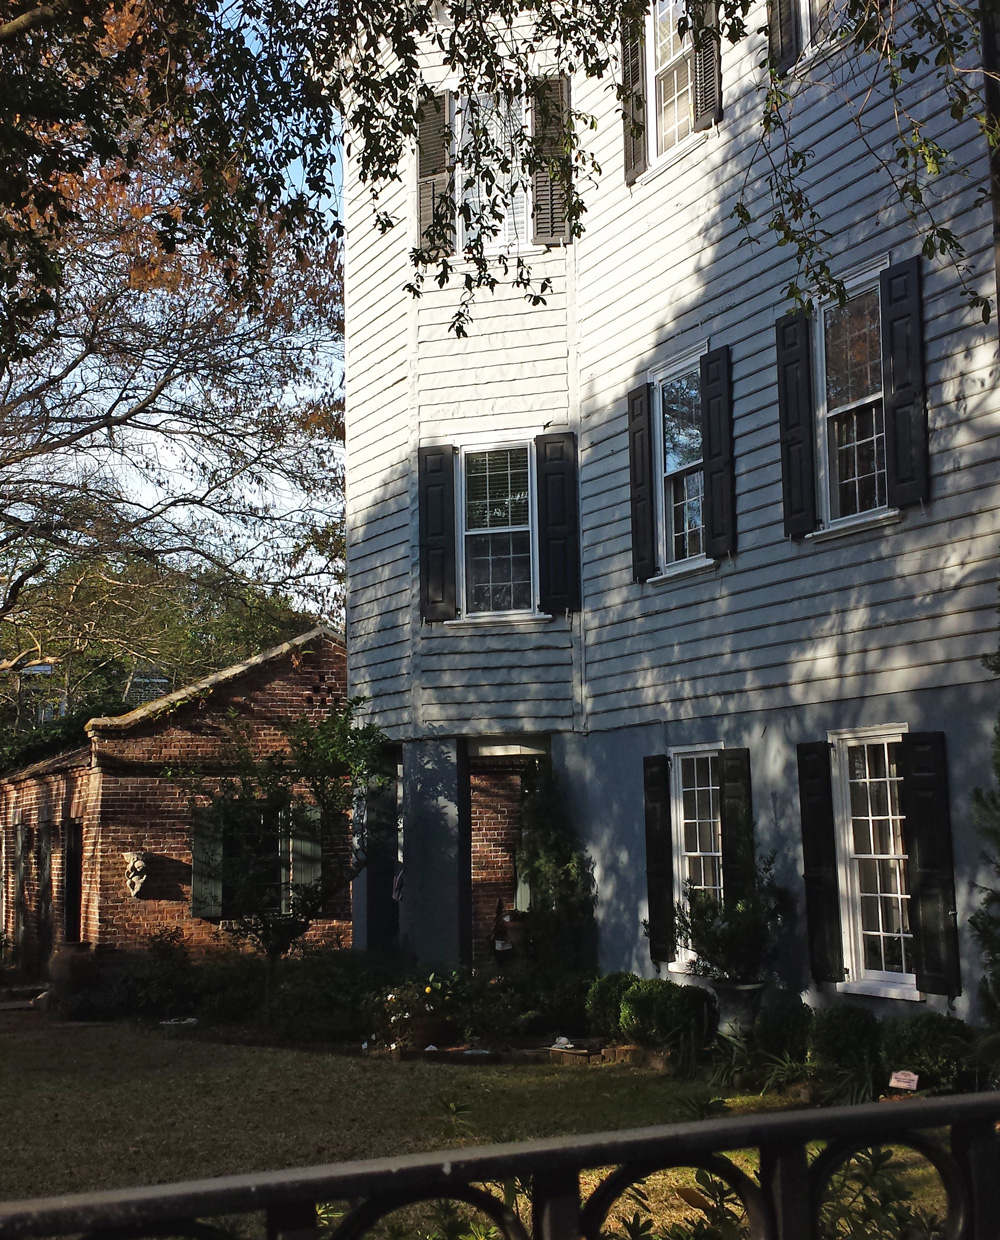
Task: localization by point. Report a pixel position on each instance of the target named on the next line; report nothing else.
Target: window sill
(663, 162)
(499, 619)
(511, 250)
(881, 990)
(853, 525)
(682, 568)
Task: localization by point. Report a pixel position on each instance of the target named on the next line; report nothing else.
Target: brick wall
(119, 791)
(495, 786)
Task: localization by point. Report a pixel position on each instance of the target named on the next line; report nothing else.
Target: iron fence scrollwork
(956, 1135)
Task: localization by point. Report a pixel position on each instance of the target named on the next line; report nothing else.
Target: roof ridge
(157, 706)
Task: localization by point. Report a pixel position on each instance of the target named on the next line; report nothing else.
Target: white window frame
(709, 749)
(811, 40)
(657, 161)
(863, 280)
(858, 979)
(495, 244)
(461, 532)
(670, 566)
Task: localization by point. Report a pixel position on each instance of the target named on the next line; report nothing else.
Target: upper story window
(854, 441)
(671, 66)
(795, 25)
(673, 87)
(683, 476)
(851, 405)
(491, 127)
(499, 529)
(498, 523)
(470, 158)
(682, 468)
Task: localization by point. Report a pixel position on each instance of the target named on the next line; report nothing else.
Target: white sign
(903, 1080)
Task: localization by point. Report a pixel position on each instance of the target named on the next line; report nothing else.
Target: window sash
(499, 557)
(671, 72)
(874, 884)
(514, 229)
(854, 478)
(695, 811)
(681, 498)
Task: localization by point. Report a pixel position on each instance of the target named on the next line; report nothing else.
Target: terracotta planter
(738, 1003)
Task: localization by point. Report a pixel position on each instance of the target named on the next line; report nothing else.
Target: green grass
(88, 1106)
(109, 1106)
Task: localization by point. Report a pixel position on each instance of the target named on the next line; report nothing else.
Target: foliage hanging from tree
(256, 102)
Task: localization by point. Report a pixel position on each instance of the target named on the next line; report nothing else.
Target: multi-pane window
(683, 477)
(855, 422)
(490, 129)
(877, 858)
(672, 75)
(697, 800)
(497, 530)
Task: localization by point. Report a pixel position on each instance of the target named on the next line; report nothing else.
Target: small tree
(275, 839)
(559, 875)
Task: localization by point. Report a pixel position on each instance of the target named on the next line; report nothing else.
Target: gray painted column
(436, 862)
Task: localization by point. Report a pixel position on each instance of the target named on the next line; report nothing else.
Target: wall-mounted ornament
(136, 870)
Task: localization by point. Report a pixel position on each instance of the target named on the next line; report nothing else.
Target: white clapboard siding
(661, 269)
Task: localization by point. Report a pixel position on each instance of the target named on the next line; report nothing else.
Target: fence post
(784, 1178)
(291, 1220)
(976, 1150)
(555, 1205)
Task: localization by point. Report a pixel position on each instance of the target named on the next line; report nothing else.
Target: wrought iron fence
(957, 1135)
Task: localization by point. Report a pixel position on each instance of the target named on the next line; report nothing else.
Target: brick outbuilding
(95, 844)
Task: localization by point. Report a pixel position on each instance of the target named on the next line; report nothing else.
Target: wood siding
(662, 269)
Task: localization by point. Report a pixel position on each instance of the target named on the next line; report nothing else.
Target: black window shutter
(717, 454)
(796, 420)
(434, 176)
(736, 822)
(640, 461)
(784, 38)
(634, 103)
(659, 856)
(558, 524)
(437, 533)
(906, 457)
(927, 836)
(549, 118)
(819, 852)
(708, 73)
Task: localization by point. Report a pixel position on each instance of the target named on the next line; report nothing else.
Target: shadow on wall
(848, 630)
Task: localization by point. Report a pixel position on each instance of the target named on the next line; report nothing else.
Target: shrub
(158, 983)
(936, 1047)
(781, 1027)
(604, 1003)
(845, 1047)
(660, 1013)
(230, 989)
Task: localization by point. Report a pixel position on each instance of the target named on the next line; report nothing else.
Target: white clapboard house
(700, 548)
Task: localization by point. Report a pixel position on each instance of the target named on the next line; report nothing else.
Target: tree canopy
(100, 636)
(154, 413)
(257, 99)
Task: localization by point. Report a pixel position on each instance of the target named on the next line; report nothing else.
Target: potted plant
(733, 937)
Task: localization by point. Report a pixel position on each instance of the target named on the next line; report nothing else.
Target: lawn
(106, 1106)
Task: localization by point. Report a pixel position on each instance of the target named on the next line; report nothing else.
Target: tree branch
(42, 16)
